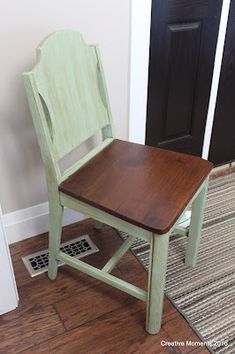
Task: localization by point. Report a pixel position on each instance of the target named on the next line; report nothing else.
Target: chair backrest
(67, 94)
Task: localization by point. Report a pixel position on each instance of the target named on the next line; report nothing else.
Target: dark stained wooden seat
(145, 186)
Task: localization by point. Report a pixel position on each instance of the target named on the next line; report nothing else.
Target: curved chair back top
(67, 93)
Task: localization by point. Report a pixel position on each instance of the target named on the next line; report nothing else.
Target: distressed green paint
(105, 277)
(67, 95)
(108, 131)
(68, 100)
(97, 225)
(52, 169)
(156, 281)
(196, 226)
(79, 111)
(55, 225)
(118, 254)
(69, 103)
(180, 230)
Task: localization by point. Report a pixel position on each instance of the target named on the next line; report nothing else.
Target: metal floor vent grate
(79, 247)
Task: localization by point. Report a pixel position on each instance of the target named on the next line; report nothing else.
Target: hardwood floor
(77, 314)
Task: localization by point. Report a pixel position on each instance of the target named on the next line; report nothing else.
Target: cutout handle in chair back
(68, 80)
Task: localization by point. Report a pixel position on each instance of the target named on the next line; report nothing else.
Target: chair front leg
(196, 227)
(55, 228)
(156, 281)
(97, 225)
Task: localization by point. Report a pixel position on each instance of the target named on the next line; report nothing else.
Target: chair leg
(118, 254)
(156, 282)
(97, 225)
(55, 223)
(195, 227)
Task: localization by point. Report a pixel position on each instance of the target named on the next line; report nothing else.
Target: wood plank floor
(77, 314)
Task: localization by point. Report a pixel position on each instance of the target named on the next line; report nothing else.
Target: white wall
(23, 24)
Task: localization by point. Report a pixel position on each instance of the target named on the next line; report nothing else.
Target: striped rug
(205, 295)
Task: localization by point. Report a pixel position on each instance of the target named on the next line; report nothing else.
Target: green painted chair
(141, 190)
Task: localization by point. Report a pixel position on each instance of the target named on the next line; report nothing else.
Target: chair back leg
(97, 225)
(156, 281)
(195, 228)
(55, 223)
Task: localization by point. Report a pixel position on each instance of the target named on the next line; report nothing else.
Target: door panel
(222, 147)
(183, 41)
(182, 48)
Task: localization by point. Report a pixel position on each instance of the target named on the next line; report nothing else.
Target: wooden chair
(139, 189)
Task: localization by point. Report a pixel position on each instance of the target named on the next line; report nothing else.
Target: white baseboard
(24, 223)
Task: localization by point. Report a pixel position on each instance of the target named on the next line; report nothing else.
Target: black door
(182, 49)
(222, 147)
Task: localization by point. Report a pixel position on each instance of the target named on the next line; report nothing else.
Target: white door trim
(216, 77)
(139, 58)
(8, 294)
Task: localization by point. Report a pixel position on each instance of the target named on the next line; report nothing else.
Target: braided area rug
(205, 295)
